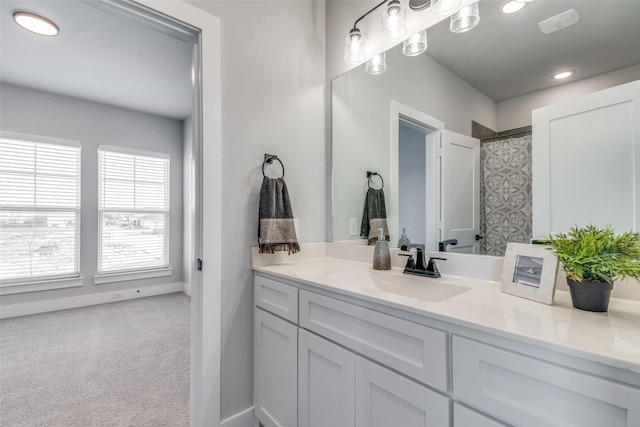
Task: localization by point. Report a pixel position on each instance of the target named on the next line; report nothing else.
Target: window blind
(134, 210)
(39, 210)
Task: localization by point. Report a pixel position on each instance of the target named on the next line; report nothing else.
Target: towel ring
(370, 175)
(268, 158)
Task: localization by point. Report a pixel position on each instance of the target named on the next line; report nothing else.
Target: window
(133, 192)
(39, 208)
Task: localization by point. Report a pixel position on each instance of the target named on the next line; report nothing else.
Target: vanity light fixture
(393, 28)
(393, 22)
(512, 6)
(376, 65)
(563, 75)
(353, 50)
(416, 44)
(465, 19)
(36, 23)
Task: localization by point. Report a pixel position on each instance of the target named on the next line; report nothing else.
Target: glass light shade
(376, 65)
(465, 19)
(353, 51)
(393, 22)
(444, 7)
(36, 24)
(416, 44)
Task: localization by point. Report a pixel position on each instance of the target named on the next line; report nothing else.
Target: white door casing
(206, 289)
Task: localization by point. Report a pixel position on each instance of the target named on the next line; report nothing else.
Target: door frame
(206, 289)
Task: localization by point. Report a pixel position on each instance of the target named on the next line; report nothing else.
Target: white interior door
(585, 155)
(460, 191)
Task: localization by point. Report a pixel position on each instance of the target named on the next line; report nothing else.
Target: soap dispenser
(381, 255)
(404, 242)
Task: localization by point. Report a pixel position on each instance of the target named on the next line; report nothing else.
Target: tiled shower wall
(505, 188)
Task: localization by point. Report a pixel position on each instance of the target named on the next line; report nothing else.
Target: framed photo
(530, 272)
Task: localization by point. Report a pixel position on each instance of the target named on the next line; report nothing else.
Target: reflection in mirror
(484, 83)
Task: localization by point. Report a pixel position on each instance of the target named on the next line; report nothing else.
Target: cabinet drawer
(415, 350)
(277, 298)
(465, 417)
(530, 392)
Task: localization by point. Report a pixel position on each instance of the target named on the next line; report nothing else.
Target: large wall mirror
(470, 96)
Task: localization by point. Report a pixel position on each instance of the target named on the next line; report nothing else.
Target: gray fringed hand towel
(374, 216)
(276, 231)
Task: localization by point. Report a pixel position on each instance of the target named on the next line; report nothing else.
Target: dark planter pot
(590, 296)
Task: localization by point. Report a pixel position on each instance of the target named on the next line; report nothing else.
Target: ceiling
(104, 57)
(98, 56)
(507, 56)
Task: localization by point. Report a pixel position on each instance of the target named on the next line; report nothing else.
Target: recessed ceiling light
(563, 75)
(36, 24)
(511, 6)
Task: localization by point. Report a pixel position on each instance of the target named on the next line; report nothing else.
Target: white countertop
(612, 338)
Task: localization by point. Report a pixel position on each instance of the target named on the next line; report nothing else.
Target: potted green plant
(593, 259)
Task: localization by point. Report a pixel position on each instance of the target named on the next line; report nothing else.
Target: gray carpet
(118, 364)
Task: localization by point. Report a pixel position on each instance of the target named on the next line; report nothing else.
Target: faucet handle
(410, 262)
(432, 268)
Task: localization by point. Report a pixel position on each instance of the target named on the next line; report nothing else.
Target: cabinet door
(326, 383)
(384, 399)
(465, 417)
(275, 370)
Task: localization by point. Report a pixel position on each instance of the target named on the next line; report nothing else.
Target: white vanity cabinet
(325, 359)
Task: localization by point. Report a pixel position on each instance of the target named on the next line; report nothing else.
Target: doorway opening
(415, 176)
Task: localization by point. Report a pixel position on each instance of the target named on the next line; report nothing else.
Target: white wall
(40, 113)
(273, 81)
(361, 125)
(516, 112)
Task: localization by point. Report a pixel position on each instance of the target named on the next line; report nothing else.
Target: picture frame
(530, 272)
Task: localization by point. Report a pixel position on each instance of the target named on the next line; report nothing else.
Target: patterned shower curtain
(505, 193)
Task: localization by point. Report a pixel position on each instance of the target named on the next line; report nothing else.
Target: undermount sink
(433, 290)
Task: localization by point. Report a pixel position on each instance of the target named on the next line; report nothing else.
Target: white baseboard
(241, 419)
(23, 309)
(187, 289)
